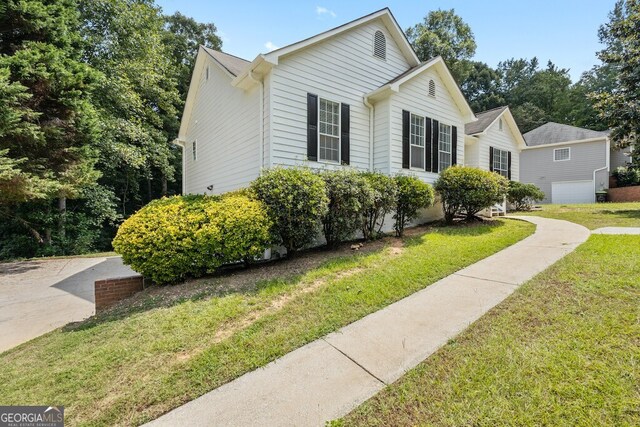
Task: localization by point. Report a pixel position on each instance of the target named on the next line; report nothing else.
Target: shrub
(413, 194)
(523, 196)
(172, 238)
(626, 176)
(296, 200)
(350, 196)
(385, 191)
(469, 190)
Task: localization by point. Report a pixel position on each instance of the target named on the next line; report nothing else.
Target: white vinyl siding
(501, 162)
(329, 131)
(562, 154)
(417, 142)
(444, 147)
(342, 69)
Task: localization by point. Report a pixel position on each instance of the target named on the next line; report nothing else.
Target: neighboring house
(355, 95)
(494, 143)
(569, 163)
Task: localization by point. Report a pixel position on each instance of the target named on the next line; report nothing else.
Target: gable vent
(432, 88)
(380, 45)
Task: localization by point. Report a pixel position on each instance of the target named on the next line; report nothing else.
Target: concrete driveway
(41, 295)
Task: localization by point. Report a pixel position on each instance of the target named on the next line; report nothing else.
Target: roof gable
(230, 63)
(485, 119)
(552, 133)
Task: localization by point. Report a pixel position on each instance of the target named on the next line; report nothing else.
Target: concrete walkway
(617, 230)
(39, 296)
(329, 377)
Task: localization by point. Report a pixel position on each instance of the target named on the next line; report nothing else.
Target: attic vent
(500, 124)
(206, 74)
(380, 45)
(432, 88)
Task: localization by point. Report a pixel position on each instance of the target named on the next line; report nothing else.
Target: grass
(594, 215)
(127, 370)
(44, 258)
(564, 350)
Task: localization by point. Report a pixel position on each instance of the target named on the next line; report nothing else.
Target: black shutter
(312, 127)
(406, 119)
(491, 159)
(345, 128)
(436, 145)
(454, 145)
(509, 169)
(427, 144)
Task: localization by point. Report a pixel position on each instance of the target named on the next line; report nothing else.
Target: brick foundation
(624, 194)
(110, 291)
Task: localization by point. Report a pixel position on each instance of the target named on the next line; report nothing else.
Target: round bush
(350, 196)
(296, 200)
(469, 190)
(413, 194)
(385, 191)
(523, 196)
(172, 238)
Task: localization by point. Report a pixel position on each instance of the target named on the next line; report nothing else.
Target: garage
(567, 192)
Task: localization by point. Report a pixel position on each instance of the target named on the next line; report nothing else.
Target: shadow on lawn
(627, 213)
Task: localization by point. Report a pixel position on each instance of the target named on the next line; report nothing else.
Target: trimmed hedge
(385, 193)
(469, 190)
(296, 200)
(187, 236)
(523, 196)
(413, 194)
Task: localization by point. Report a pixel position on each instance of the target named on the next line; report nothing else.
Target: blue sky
(564, 31)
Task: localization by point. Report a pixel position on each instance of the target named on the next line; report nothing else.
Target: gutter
(371, 110)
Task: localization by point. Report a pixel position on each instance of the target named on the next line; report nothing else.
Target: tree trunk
(62, 217)
(164, 185)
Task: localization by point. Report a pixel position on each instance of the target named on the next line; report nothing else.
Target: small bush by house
(412, 195)
(350, 196)
(173, 238)
(296, 201)
(523, 196)
(627, 176)
(469, 190)
(384, 193)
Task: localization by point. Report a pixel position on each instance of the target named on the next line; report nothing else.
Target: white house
(355, 95)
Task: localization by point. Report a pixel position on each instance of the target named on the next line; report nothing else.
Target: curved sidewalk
(327, 378)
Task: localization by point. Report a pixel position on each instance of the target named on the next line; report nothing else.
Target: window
(329, 131)
(194, 149)
(561, 154)
(501, 162)
(380, 45)
(416, 141)
(444, 147)
(432, 88)
(500, 124)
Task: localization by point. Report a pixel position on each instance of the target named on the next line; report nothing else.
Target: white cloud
(321, 11)
(271, 46)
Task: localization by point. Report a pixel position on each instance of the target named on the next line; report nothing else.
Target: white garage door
(566, 192)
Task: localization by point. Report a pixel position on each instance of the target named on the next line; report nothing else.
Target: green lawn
(124, 370)
(595, 215)
(564, 350)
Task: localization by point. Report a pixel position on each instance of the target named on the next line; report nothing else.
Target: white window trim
(451, 142)
(331, 162)
(497, 152)
(424, 141)
(562, 160)
(194, 150)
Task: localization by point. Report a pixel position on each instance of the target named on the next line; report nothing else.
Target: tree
(444, 33)
(620, 109)
(482, 87)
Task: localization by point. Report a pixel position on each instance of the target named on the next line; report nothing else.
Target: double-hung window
(329, 131)
(444, 147)
(501, 162)
(417, 142)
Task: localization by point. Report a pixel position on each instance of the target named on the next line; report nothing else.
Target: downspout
(370, 106)
(261, 118)
(607, 167)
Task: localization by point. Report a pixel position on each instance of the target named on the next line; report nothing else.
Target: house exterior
(569, 164)
(494, 143)
(354, 96)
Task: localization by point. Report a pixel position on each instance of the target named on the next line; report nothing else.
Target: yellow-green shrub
(172, 238)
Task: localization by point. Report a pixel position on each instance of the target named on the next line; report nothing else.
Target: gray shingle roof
(233, 64)
(409, 71)
(551, 133)
(484, 120)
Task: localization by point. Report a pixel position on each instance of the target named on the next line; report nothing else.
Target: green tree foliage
(482, 87)
(443, 33)
(297, 201)
(413, 194)
(620, 108)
